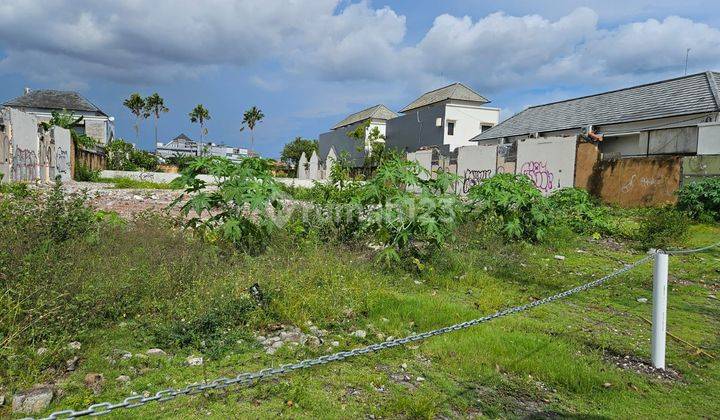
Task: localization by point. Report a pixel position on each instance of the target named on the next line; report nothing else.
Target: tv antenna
(687, 53)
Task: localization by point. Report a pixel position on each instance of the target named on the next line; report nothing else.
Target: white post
(659, 315)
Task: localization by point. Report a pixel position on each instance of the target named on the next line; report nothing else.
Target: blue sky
(307, 64)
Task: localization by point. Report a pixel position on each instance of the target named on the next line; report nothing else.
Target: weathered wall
(636, 182)
(24, 140)
(93, 159)
(163, 177)
(313, 169)
(423, 157)
(586, 157)
(62, 153)
(696, 167)
(475, 164)
(5, 147)
(416, 129)
(548, 162)
(302, 169)
(709, 139)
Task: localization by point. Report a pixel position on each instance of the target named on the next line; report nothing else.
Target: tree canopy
(293, 150)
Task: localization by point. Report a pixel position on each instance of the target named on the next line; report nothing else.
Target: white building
(41, 103)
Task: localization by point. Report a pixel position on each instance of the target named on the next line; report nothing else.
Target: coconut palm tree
(154, 105)
(251, 117)
(200, 114)
(136, 104)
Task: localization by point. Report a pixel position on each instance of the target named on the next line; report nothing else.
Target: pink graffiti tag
(538, 173)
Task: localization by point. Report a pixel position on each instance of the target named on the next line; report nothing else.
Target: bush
(701, 199)
(580, 211)
(661, 228)
(521, 210)
(238, 210)
(85, 174)
(123, 156)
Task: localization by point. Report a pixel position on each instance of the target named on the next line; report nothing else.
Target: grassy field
(145, 284)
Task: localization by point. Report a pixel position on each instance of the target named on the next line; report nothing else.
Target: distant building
(337, 138)
(446, 118)
(42, 102)
(183, 145)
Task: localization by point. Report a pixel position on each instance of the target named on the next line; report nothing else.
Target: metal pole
(659, 315)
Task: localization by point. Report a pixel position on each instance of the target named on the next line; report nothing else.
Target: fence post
(659, 314)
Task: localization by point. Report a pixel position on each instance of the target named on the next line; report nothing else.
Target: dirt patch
(642, 367)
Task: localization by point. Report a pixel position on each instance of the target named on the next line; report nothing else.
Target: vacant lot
(94, 301)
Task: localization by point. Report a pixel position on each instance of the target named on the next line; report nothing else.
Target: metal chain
(250, 377)
(690, 251)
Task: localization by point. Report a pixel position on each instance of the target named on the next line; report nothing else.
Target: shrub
(521, 210)
(237, 211)
(661, 227)
(580, 211)
(123, 156)
(85, 174)
(701, 199)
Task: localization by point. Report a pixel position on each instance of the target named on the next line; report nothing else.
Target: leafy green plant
(661, 227)
(123, 156)
(701, 199)
(520, 209)
(83, 173)
(580, 211)
(239, 209)
(67, 120)
(293, 150)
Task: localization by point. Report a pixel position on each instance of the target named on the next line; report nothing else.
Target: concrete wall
(339, 140)
(302, 169)
(697, 167)
(313, 167)
(423, 157)
(587, 157)
(548, 162)
(162, 177)
(417, 128)
(24, 139)
(5, 146)
(475, 164)
(468, 120)
(63, 152)
(709, 139)
(636, 182)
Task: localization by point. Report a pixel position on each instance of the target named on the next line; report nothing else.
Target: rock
(359, 334)
(156, 353)
(2, 400)
(74, 345)
(137, 198)
(94, 381)
(123, 378)
(560, 257)
(335, 343)
(418, 282)
(642, 300)
(277, 344)
(41, 351)
(32, 401)
(153, 197)
(71, 364)
(420, 379)
(194, 361)
(271, 350)
(260, 338)
(607, 385)
(313, 341)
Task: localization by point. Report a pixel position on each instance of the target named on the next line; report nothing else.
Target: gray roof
(379, 112)
(456, 91)
(692, 94)
(53, 100)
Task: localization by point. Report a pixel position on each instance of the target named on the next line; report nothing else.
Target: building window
(484, 127)
(451, 128)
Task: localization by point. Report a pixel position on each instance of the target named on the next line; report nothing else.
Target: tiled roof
(380, 112)
(692, 94)
(456, 91)
(54, 100)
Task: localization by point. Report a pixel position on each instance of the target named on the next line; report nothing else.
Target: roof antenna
(687, 53)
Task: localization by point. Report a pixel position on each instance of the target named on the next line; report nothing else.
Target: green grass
(130, 183)
(146, 285)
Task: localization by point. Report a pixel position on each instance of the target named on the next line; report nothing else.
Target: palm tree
(251, 117)
(200, 114)
(154, 105)
(136, 104)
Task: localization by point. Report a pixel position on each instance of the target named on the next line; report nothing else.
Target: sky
(309, 63)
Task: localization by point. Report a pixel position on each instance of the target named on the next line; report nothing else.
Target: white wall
(709, 139)
(468, 119)
(302, 172)
(61, 160)
(313, 169)
(25, 164)
(162, 177)
(548, 161)
(475, 164)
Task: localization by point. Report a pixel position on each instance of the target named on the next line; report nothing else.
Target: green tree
(67, 120)
(155, 105)
(136, 104)
(200, 115)
(251, 117)
(292, 151)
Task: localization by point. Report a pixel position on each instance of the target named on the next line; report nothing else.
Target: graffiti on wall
(61, 161)
(474, 177)
(25, 164)
(540, 175)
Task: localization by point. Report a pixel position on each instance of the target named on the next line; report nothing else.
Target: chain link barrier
(248, 378)
(690, 251)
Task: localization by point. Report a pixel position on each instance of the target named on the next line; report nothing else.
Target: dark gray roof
(454, 91)
(379, 112)
(692, 94)
(53, 100)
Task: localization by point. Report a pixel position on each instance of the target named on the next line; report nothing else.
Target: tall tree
(136, 104)
(251, 117)
(200, 114)
(292, 151)
(154, 105)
